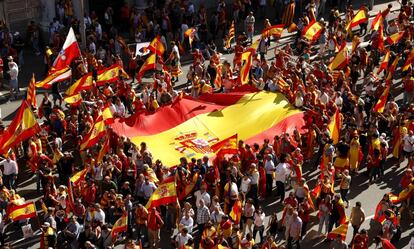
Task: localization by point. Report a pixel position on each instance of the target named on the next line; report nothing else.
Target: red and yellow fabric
(31, 92)
(156, 46)
(74, 100)
(312, 31)
(360, 17)
(107, 75)
(381, 46)
(335, 126)
(188, 187)
(246, 59)
(19, 212)
(236, 212)
(406, 193)
(190, 33)
(79, 176)
(292, 27)
(166, 193)
(392, 68)
(53, 77)
(382, 101)
(230, 36)
(23, 126)
(103, 150)
(98, 130)
(121, 225)
(227, 146)
(149, 64)
(275, 31)
(341, 230)
(409, 60)
(341, 59)
(395, 38)
(377, 22)
(190, 127)
(384, 63)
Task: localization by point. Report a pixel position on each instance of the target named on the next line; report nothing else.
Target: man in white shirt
(408, 144)
(10, 171)
(148, 188)
(187, 222)
(182, 238)
(282, 171)
(254, 184)
(202, 195)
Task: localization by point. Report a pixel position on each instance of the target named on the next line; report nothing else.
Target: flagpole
(82, 24)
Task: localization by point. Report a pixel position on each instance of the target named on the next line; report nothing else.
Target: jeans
(373, 173)
(269, 184)
(344, 193)
(259, 230)
(142, 232)
(280, 188)
(323, 220)
(332, 222)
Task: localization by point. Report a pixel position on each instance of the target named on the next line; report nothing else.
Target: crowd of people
(124, 179)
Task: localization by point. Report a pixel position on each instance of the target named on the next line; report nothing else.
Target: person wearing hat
(14, 74)
(48, 237)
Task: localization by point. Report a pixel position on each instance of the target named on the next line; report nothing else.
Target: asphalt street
(368, 195)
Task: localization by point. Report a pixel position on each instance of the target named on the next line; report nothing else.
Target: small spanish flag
(377, 22)
(97, 131)
(312, 31)
(149, 64)
(275, 31)
(392, 68)
(190, 33)
(395, 38)
(381, 45)
(189, 187)
(79, 176)
(406, 193)
(53, 77)
(360, 17)
(245, 69)
(384, 63)
(226, 146)
(156, 46)
(341, 59)
(236, 212)
(166, 193)
(74, 100)
(19, 212)
(104, 149)
(121, 225)
(342, 230)
(23, 126)
(380, 105)
(335, 126)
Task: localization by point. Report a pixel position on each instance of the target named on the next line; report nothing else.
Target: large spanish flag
(312, 31)
(106, 75)
(275, 31)
(382, 101)
(23, 126)
(360, 17)
(121, 225)
(189, 127)
(19, 212)
(166, 193)
(341, 59)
